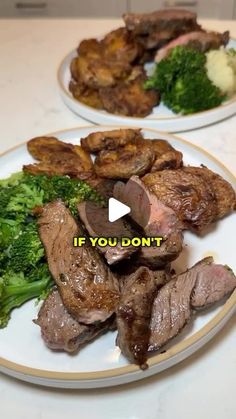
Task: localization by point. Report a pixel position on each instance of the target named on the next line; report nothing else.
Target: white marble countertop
(202, 386)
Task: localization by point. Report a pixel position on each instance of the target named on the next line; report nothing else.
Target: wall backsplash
(107, 8)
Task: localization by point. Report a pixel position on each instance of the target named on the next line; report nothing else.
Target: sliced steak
(205, 283)
(60, 331)
(158, 257)
(147, 211)
(188, 194)
(199, 40)
(224, 193)
(213, 283)
(156, 220)
(88, 289)
(95, 217)
(133, 315)
(173, 20)
(105, 187)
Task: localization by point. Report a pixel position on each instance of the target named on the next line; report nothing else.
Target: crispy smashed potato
(86, 95)
(109, 140)
(57, 157)
(51, 170)
(98, 73)
(90, 47)
(129, 99)
(120, 45)
(166, 157)
(105, 75)
(122, 163)
(169, 160)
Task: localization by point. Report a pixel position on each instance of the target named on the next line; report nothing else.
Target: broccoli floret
(17, 196)
(182, 80)
(26, 250)
(9, 229)
(16, 289)
(192, 93)
(71, 191)
(22, 192)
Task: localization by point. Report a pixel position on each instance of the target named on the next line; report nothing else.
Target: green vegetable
(24, 272)
(16, 289)
(26, 250)
(183, 83)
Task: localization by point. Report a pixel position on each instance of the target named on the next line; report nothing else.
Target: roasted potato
(90, 48)
(86, 95)
(129, 99)
(166, 157)
(57, 157)
(122, 163)
(120, 45)
(109, 140)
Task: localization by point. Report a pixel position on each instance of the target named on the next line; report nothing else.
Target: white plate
(161, 118)
(23, 353)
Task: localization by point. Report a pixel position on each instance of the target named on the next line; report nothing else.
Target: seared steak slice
(224, 193)
(155, 218)
(213, 283)
(188, 194)
(158, 257)
(167, 19)
(60, 331)
(199, 40)
(88, 289)
(94, 216)
(205, 283)
(147, 211)
(133, 315)
(171, 309)
(104, 187)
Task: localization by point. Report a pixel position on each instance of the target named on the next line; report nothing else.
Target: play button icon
(116, 210)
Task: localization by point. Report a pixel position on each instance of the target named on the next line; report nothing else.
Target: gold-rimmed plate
(23, 353)
(161, 117)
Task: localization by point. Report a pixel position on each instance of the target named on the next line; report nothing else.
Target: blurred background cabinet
(219, 9)
(62, 8)
(214, 9)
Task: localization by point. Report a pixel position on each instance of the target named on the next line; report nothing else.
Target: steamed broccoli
(17, 288)
(71, 191)
(26, 250)
(9, 229)
(183, 83)
(192, 93)
(23, 267)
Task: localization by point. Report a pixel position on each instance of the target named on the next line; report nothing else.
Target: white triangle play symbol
(116, 210)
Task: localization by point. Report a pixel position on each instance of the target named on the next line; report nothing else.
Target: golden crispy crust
(166, 157)
(122, 163)
(57, 157)
(130, 99)
(109, 140)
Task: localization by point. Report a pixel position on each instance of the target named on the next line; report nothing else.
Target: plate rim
(177, 118)
(157, 359)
